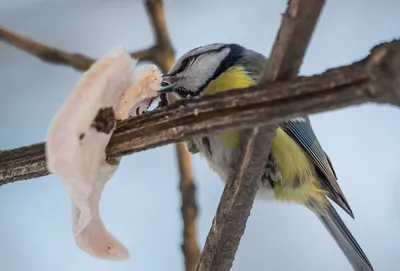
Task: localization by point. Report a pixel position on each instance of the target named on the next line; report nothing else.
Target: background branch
(189, 246)
(242, 184)
(162, 54)
(44, 52)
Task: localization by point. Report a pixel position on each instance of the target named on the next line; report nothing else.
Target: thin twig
(187, 187)
(44, 52)
(162, 49)
(241, 186)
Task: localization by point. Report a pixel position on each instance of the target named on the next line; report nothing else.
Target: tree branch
(60, 57)
(243, 182)
(44, 52)
(376, 78)
(162, 54)
(158, 53)
(189, 246)
(156, 13)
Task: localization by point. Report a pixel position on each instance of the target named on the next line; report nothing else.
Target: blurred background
(141, 204)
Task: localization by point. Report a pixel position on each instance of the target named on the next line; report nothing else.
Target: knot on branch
(384, 68)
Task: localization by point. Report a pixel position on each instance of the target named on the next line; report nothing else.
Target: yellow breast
(298, 182)
(234, 77)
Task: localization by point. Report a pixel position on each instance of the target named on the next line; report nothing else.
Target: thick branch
(242, 184)
(373, 79)
(297, 27)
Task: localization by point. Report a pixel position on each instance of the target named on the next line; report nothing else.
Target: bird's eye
(186, 62)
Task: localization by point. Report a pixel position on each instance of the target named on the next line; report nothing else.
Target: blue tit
(298, 169)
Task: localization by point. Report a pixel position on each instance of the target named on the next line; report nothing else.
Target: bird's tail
(348, 244)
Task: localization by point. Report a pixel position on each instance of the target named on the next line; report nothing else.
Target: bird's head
(196, 68)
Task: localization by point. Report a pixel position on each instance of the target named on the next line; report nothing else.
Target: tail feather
(348, 244)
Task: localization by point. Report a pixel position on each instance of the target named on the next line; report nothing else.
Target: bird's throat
(232, 78)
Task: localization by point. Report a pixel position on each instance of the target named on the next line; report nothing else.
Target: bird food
(79, 134)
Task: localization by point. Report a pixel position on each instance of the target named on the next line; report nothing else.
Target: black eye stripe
(185, 63)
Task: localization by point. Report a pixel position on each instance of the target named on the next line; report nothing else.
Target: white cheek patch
(203, 69)
(79, 133)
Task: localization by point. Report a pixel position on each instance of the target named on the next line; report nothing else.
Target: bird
(297, 169)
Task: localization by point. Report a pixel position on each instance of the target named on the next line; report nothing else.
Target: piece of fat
(85, 122)
(139, 96)
(94, 238)
(79, 134)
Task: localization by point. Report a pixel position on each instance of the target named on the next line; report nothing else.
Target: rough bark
(242, 184)
(376, 78)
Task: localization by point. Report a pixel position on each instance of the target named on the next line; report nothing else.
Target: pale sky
(141, 204)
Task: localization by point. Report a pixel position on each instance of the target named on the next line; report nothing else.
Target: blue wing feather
(301, 131)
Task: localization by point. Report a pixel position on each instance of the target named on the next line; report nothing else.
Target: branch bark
(243, 182)
(375, 78)
(162, 54)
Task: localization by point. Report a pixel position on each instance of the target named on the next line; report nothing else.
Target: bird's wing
(301, 131)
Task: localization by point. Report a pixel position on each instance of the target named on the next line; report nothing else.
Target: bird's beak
(167, 83)
(169, 79)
